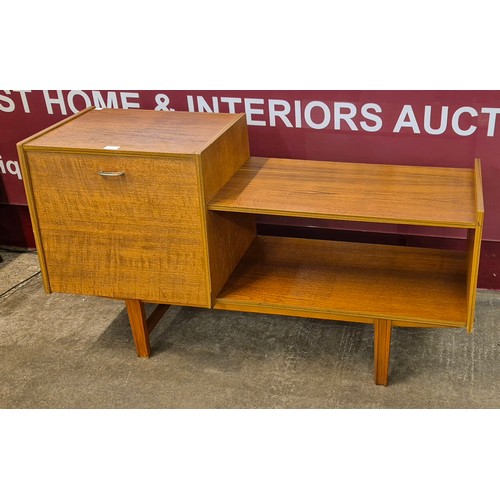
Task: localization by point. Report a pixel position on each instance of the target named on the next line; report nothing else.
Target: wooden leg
(142, 327)
(382, 350)
(138, 323)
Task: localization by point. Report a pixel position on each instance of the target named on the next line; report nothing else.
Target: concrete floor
(65, 351)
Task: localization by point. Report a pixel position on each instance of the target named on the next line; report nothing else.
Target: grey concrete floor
(67, 351)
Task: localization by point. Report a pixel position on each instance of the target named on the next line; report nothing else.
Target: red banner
(436, 128)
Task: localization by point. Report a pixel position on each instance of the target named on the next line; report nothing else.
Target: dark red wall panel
(436, 128)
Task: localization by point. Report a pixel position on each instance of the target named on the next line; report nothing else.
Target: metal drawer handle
(111, 174)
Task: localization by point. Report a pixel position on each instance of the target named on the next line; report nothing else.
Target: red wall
(436, 128)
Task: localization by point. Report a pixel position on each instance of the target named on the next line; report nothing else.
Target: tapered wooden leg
(138, 323)
(382, 350)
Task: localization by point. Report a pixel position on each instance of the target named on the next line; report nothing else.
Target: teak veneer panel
(228, 236)
(432, 196)
(21, 146)
(138, 130)
(337, 279)
(136, 236)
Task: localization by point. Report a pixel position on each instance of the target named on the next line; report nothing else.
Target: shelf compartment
(349, 281)
(427, 196)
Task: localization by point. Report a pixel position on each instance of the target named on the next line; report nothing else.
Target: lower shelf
(349, 281)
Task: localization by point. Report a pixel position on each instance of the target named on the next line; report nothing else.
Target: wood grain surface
(429, 196)
(361, 280)
(478, 186)
(139, 327)
(228, 235)
(136, 236)
(474, 237)
(382, 350)
(138, 130)
(30, 195)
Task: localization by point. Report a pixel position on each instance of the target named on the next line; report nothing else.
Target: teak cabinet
(160, 207)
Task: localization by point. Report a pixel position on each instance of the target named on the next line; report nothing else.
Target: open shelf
(340, 280)
(427, 196)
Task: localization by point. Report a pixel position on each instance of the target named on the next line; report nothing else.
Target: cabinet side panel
(137, 235)
(221, 159)
(228, 235)
(25, 169)
(474, 237)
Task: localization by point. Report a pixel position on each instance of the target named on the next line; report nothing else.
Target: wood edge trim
(283, 311)
(355, 317)
(313, 215)
(204, 229)
(478, 186)
(30, 197)
(49, 149)
(474, 253)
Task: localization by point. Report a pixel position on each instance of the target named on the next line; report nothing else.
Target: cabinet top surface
(142, 131)
(434, 196)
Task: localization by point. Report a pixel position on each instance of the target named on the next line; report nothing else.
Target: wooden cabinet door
(136, 233)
